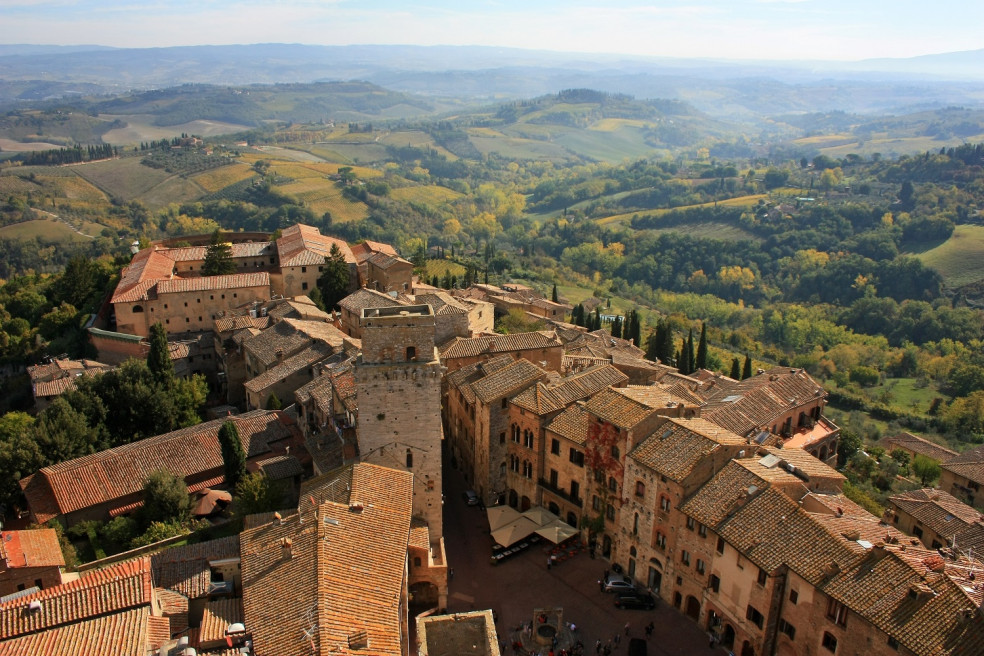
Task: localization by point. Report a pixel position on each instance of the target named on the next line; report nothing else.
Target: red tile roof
(918, 445)
(969, 464)
(147, 267)
(303, 245)
(116, 588)
(493, 345)
(33, 548)
(130, 633)
(213, 283)
(119, 472)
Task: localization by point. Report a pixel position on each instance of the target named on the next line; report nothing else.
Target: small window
(198, 300)
(829, 643)
(762, 576)
(165, 306)
(577, 457)
(664, 503)
(701, 530)
(714, 582)
(304, 269)
(837, 612)
(416, 561)
(615, 452)
(700, 566)
(595, 503)
(691, 523)
(660, 540)
(788, 629)
(720, 545)
(640, 490)
(502, 437)
(304, 285)
(685, 557)
(412, 355)
(610, 512)
(753, 615)
(409, 458)
(794, 596)
(555, 447)
(612, 484)
(186, 303)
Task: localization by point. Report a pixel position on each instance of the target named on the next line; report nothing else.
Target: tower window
(409, 458)
(411, 353)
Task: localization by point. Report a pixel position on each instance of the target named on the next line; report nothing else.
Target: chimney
(831, 570)
(288, 548)
(356, 507)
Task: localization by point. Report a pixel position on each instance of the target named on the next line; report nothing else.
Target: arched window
(640, 489)
(635, 527)
(409, 458)
(137, 308)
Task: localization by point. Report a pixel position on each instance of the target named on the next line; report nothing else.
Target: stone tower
(398, 386)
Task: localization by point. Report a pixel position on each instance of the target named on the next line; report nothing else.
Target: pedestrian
(598, 646)
(649, 630)
(607, 651)
(451, 574)
(601, 585)
(573, 627)
(626, 629)
(616, 640)
(549, 560)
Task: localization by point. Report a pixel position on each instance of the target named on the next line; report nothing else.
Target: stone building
(389, 273)
(541, 348)
(963, 476)
(938, 519)
(398, 387)
(29, 559)
(302, 250)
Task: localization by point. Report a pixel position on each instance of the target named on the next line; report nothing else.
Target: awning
(557, 531)
(513, 532)
(540, 516)
(499, 516)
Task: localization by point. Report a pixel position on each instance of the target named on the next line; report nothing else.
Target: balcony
(563, 494)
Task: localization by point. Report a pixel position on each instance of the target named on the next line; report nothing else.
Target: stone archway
(728, 636)
(746, 649)
(692, 609)
(513, 498)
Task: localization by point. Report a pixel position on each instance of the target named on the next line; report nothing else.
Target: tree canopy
(334, 280)
(218, 257)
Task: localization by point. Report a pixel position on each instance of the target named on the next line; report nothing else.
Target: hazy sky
(745, 29)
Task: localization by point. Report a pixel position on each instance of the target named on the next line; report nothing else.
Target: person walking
(626, 629)
(451, 574)
(598, 646)
(549, 562)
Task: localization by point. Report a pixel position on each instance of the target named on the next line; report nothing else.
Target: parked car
(470, 497)
(617, 583)
(641, 600)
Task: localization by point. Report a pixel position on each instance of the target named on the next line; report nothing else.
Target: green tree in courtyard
(334, 280)
(218, 257)
(926, 469)
(233, 455)
(165, 499)
(159, 357)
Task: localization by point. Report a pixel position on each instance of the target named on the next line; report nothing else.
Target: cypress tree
(746, 371)
(681, 360)
(701, 362)
(690, 353)
(273, 402)
(635, 330)
(218, 257)
(553, 294)
(233, 456)
(652, 345)
(159, 356)
(735, 369)
(334, 280)
(617, 327)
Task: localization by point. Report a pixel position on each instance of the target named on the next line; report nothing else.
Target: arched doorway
(693, 608)
(572, 519)
(728, 637)
(513, 498)
(554, 508)
(606, 547)
(423, 595)
(746, 649)
(524, 504)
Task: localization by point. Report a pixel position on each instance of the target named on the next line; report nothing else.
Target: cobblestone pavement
(516, 586)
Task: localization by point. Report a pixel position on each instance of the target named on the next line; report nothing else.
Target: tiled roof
(289, 336)
(463, 347)
(32, 548)
(299, 307)
(365, 298)
(914, 596)
(726, 492)
(918, 445)
(627, 406)
(862, 526)
(509, 380)
(341, 576)
(128, 633)
(147, 267)
(463, 378)
(571, 424)
(238, 250)
(219, 614)
(543, 399)
(65, 369)
(364, 249)
(303, 245)
(419, 534)
(213, 283)
(116, 588)
(186, 570)
(969, 464)
(280, 467)
(48, 388)
(442, 302)
(820, 475)
(314, 353)
(119, 472)
(945, 515)
(678, 445)
(225, 324)
(385, 261)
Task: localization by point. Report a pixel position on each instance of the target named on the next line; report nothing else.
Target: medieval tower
(398, 383)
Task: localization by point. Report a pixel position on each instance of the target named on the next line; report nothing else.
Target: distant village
(719, 496)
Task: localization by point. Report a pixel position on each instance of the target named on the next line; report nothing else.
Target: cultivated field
(124, 178)
(140, 127)
(430, 194)
(222, 177)
(49, 229)
(741, 201)
(959, 259)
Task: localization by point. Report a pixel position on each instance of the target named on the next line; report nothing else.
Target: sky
(728, 29)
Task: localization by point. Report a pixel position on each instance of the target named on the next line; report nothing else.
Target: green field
(49, 229)
(960, 259)
(519, 148)
(124, 178)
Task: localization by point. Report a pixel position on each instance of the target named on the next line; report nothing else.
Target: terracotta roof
(64, 368)
(918, 445)
(301, 245)
(364, 249)
(727, 492)
(316, 352)
(862, 526)
(821, 475)
(945, 515)
(341, 576)
(130, 633)
(219, 614)
(48, 388)
(419, 534)
(299, 307)
(186, 570)
(571, 424)
(463, 347)
(238, 250)
(916, 597)
(280, 467)
(225, 324)
(442, 302)
(385, 261)
(969, 464)
(116, 588)
(543, 399)
(213, 283)
(364, 298)
(627, 406)
(463, 378)
(678, 445)
(32, 548)
(137, 280)
(119, 472)
(507, 381)
(290, 336)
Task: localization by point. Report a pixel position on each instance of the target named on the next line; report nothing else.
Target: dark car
(616, 583)
(470, 497)
(641, 600)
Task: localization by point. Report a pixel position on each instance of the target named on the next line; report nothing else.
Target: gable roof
(678, 445)
(543, 399)
(626, 407)
(137, 280)
(133, 632)
(185, 569)
(316, 352)
(508, 380)
(918, 445)
(466, 347)
(969, 464)
(32, 548)
(213, 283)
(343, 573)
(119, 472)
(304, 245)
(945, 515)
(116, 588)
(364, 298)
